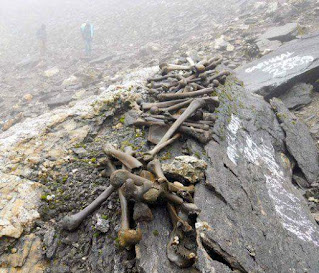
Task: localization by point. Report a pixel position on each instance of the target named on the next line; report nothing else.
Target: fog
(118, 24)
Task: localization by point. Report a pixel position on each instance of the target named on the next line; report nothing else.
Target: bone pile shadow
(184, 106)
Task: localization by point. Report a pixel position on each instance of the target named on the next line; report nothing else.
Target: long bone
(147, 106)
(106, 172)
(177, 106)
(176, 220)
(187, 128)
(128, 160)
(73, 221)
(154, 166)
(127, 236)
(161, 78)
(166, 68)
(176, 85)
(176, 187)
(213, 63)
(195, 104)
(173, 96)
(218, 76)
(189, 208)
(150, 154)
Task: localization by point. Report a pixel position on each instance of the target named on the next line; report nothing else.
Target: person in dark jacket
(87, 31)
(42, 38)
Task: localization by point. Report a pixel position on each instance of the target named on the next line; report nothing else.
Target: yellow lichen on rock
(19, 201)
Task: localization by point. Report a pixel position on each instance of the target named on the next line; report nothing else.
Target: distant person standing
(42, 38)
(87, 31)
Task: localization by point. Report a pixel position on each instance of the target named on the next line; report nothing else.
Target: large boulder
(275, 73)
(283, 33)
(252, 217)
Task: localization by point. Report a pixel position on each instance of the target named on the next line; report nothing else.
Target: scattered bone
(72, 222)
(162, 144)
(128, 160)
(174, 96)
(147, 106)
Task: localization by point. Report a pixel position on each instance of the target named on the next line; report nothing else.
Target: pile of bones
(184, 105)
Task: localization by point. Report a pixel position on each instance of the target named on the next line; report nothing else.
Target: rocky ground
(57, 113)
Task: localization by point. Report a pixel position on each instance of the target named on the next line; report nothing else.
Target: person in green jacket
(87, 31)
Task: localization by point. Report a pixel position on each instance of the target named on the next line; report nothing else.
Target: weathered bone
(110, 168)
(127, 237)
(147, 106)
(155, 167)
(176, 220)
(177, 106)
(166, 68)
(119, 177)
(73, 221)
(173, 96)
(176, 187)
(213, 63)
(195, 104)
(218, 76)
(162, 78)
(178, 251)
(127, 160)
(189, 208)
(150, 155)
(202, 136)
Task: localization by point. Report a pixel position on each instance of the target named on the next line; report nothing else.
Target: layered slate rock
(252, 218)
(275, 73)
(298, 141)
(283, 33)
(298, 96)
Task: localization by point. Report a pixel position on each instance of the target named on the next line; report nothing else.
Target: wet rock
(297, 96)
(275, 73)
(187, 168)
(260, 221)
(284, 33)
(299, 142)
(20, 199)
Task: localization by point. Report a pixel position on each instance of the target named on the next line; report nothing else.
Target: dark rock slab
(299, 95)
(252, 218)
(275, 73)
(151, 251)
(265, 45)
(283, 33)
(298, 141)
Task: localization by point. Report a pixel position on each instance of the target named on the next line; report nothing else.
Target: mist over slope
(119, 24)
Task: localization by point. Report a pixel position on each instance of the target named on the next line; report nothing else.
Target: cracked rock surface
(253, 219)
